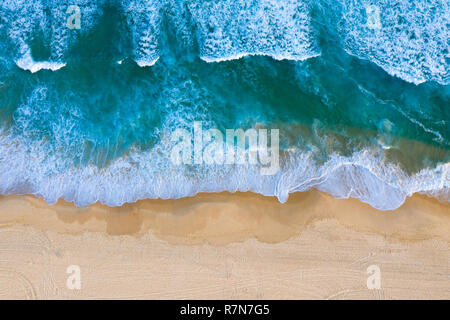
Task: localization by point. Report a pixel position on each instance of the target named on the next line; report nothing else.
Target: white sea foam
(144, 63)
(144, 21)
(228, 29)
(410, 40)
(278, 57)
(24, 18)
(29, 168)
(26, 62)
(231, 29)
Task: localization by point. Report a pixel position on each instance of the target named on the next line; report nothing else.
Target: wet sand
(225, 246)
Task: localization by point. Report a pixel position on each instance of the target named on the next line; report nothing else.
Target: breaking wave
(51, 121)
(407, 39)
(29, 168)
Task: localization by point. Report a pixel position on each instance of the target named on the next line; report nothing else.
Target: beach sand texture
(225, 246)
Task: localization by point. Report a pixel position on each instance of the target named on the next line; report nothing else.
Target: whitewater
(358, 88)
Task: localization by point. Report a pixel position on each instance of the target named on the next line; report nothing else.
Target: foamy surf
(44, 22)
(27, 63)
(144, 19)
(278, 57)
(408, 39)
(145, 63)
(149, 175)
(95, 134)
(234, 29)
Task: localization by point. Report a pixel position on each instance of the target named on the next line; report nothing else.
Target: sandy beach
(106, 105)
(225, 246)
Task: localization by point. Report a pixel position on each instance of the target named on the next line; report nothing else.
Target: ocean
(91, 91)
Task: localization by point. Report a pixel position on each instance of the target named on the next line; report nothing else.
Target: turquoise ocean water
(359, 89)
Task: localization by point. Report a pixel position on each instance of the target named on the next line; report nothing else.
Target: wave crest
(232, 29)
(408, 39)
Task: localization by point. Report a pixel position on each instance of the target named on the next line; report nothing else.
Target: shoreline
(248, 215)
(225, 246)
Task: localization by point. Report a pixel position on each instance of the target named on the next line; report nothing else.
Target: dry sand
(222, 246)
